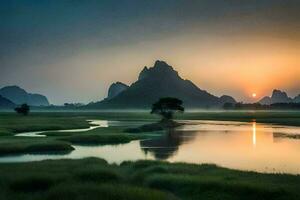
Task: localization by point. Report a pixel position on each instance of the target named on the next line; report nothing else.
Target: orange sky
(220, 65)
(252, 65)
(73, 52)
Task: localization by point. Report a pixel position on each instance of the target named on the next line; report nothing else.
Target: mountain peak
(159, 70)
(158, 81)
(278, 96)
(12, 88)
(160, 63)
(115, 89)
(277, 92)
(162, 66)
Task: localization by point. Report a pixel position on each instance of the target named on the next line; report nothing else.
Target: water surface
(237, 145)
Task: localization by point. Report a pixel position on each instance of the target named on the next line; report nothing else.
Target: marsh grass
(98, 174)
(10, 123)
(291, 118)
(94, 178)
(32, 183)
(55, 142)
(79, 191)
(32, 145)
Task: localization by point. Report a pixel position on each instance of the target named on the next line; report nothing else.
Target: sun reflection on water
(254, 134)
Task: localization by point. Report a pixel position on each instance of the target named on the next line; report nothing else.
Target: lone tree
(166, 107)
(23, 109)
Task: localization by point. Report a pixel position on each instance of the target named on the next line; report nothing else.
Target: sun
(253, 95)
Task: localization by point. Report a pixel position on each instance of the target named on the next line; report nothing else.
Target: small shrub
(23, 109)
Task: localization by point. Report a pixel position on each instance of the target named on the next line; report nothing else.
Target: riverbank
(79, 130)
(12, 123)
(91, 178)
(61, 142)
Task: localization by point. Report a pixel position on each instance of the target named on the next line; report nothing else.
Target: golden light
(254, 95)
(254, 134)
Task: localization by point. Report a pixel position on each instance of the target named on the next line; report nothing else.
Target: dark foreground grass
(93, 178)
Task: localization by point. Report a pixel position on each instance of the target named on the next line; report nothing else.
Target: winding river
(238, 145)
(93, 125)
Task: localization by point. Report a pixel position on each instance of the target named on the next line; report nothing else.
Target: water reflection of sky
(238, 145)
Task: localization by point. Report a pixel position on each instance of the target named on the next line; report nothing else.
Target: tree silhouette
(166, 107)
(23, 109)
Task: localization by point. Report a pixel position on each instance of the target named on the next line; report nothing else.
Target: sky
(71, 51)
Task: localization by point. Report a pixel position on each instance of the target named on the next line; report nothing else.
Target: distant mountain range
(279, 97)
(155, 82)
(18, 96)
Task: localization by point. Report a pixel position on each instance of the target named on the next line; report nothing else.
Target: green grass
(17, 145)
(11, 123)
(291, 118)
(92, 178)
(56, 142)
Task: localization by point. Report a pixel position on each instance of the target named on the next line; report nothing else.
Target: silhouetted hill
(19, 96)
(280, 97)
(5, 103)
(277, 97)
(158, 81)
(115, 89)
(265, 101)
(227, 99)
(258, 106)
(297, 99)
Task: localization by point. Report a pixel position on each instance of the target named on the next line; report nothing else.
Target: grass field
(291, 118)
(11, 123)
(93, 178)
(57, 142)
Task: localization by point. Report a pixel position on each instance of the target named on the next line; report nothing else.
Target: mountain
(5, 103)
(266, 101)
(297, 99)
(158, 81)
(19, 96)
(115, 89)
(227, 99)
(278, 96)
